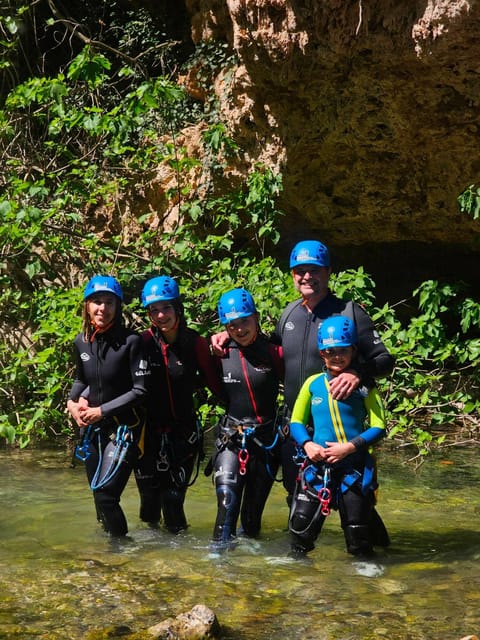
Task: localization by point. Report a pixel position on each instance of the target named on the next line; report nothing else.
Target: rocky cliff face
(371, 110)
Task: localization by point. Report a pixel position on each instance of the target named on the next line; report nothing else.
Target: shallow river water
(61, 577)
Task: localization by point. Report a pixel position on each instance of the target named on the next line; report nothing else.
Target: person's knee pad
(304, 523)
(227, 513)
(226, 498)
(357, 538)
(299, 523)
(302, 512)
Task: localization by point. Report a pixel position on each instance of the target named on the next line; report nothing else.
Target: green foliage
(36, 366)
(436, 379)
(73, 145)
(209, 59)
(354, 284)
(469, 201)
(86, 151)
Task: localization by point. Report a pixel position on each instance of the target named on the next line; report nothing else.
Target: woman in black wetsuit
(111, 371)
(180, 363)
(246, 459)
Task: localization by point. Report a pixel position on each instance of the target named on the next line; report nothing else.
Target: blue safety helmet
(337, 331)
(159, 289)
(234, 304)
(103, 284)
(309, 252)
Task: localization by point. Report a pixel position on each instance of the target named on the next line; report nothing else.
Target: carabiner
(325, 495)
(243, 457)
(82, 450)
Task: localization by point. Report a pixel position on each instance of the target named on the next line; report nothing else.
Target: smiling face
(337, 359)
(101, 309)
(164, 316)
(311, 281)
(243, 330)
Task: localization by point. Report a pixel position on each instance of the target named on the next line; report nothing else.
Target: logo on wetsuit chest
(263, 368)
(143, 369)
(229, 380)
(316, 400)
(289, 326)
(84, 356)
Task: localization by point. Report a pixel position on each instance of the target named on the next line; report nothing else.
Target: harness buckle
(192, 438)
(162, 463)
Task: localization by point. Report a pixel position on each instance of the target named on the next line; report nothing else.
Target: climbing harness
(117, 452)
(163, 461)
(313, 485)
(325, 494)
(243, 455)
(166, 458)
(197, 437)
(246, 430)
(318, 486)
(269, 448)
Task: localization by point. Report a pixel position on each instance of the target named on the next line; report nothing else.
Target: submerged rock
(197, 624)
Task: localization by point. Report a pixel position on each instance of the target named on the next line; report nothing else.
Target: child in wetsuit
(338, 470)
(246, 458)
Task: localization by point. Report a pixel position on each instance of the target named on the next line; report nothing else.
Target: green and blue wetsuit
(351, 482)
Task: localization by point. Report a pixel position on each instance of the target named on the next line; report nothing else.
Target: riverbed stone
(197, 624)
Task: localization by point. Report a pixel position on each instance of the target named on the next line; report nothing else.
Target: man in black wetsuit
(297, 332)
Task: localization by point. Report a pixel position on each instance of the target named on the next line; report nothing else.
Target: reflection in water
(61, 577)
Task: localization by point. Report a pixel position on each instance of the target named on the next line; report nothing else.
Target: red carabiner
(325, 495)
(243, 457)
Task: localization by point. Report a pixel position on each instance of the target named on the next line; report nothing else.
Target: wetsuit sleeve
(375, 361)
(301, 414)
(79, 384)
(208, 366)
(138, 373)
(375, 419)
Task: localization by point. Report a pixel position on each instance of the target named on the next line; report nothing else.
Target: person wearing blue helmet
(245, 460)
(338, 471)
(106, 398)
(181, 366)
(297, 331)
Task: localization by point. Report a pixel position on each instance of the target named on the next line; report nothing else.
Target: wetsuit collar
(99, 330)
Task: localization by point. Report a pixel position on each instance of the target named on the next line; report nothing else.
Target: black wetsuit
(174, 438)
(245, 464)
(114, 369)
(297, 332)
